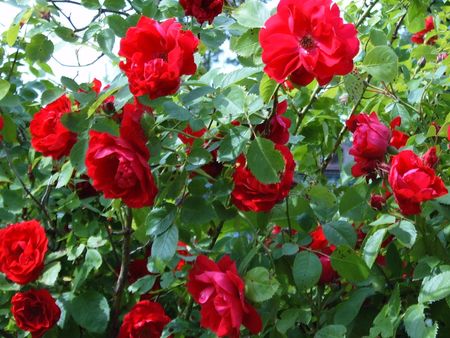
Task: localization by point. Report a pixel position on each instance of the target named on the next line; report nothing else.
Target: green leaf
(198, 157)
(414, 320)
(378, 38)
(386, 322)
(64, 175)
(405, 232)
(354, 203)
(306, 270)
(331, 331)
(93, 259)
(105, 125)
(78, 154)
(252, 14)
(323, 202)
(50, 274)
(69, 83)
(231, 103)
(287, 320)
(90, 310)
(233, 144)
(347, 311)
(142, 285)
(382, 63)
(165, 245)
(105, 39)
(39, 49)
(340, 233)
(159, 220)
(114, 4)
(372, 246)
(66, 34)
(197, 211)
(435, 288)
(264, 161)
(11, 34)
(267, 88)
(354, 85)
(118, 24)
(4, 88)
(349, 265)
(247, 44)
(9, 131)
(259, 286)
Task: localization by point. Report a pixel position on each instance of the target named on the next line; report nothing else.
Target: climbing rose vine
(243, 169)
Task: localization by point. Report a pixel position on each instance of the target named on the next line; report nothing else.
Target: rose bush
(244, 168)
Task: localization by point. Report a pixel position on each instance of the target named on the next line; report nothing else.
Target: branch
(366, 13)
(123, 274)
(79, 65)
(301, 115)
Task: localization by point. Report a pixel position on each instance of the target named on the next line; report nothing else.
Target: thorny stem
(123, 274)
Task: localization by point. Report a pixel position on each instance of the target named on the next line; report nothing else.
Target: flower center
(307, 42)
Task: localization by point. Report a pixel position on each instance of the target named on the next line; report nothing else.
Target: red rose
(249, 194)
(430, 157)
(398, 138)
(328, 274)
(308, 39)
(370, 142)
(157, 55)
(48, 134)
(277, 128)
(323, 250)
(377, 202)
(413, 182)
(146, 319)
(119, 170)
(202, 10)
(219, 289)
(35, 311)
(419, 37)
(22, 251)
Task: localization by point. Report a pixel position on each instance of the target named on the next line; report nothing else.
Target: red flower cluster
(146, 319)
(320, 243)
(22, 251)
(157, 55)
(249, 194)
(219, 290)
(202, 10)
(48, 134)
(277, 128)
(307, 40)
(370, 143)
(419, 37)
(119, 166)
(413, 181)
(35, 311)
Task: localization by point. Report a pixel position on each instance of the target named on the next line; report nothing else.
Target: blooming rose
(277, 128)
(219, 289)
(308, 39)
(398, 138)
(48, 134)
(35, 311)
(22, 251)
(370, 142)
(146, 319)
(157, 55)
(119, 170)
(249, 194)
(202, 10)
(419, 37)
(413, 182)
(323, 251)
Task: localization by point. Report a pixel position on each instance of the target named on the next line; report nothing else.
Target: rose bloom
(307, 40)
(219, 289)
(22, 251)
(430, 158)
(277, 128)
(249, 194)
(146, 319)
(413, 182)
(35, 311)
(398, 139)
(202, 10)
(48, 134)
(370, 142)
(157, 55)
(419, 37)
